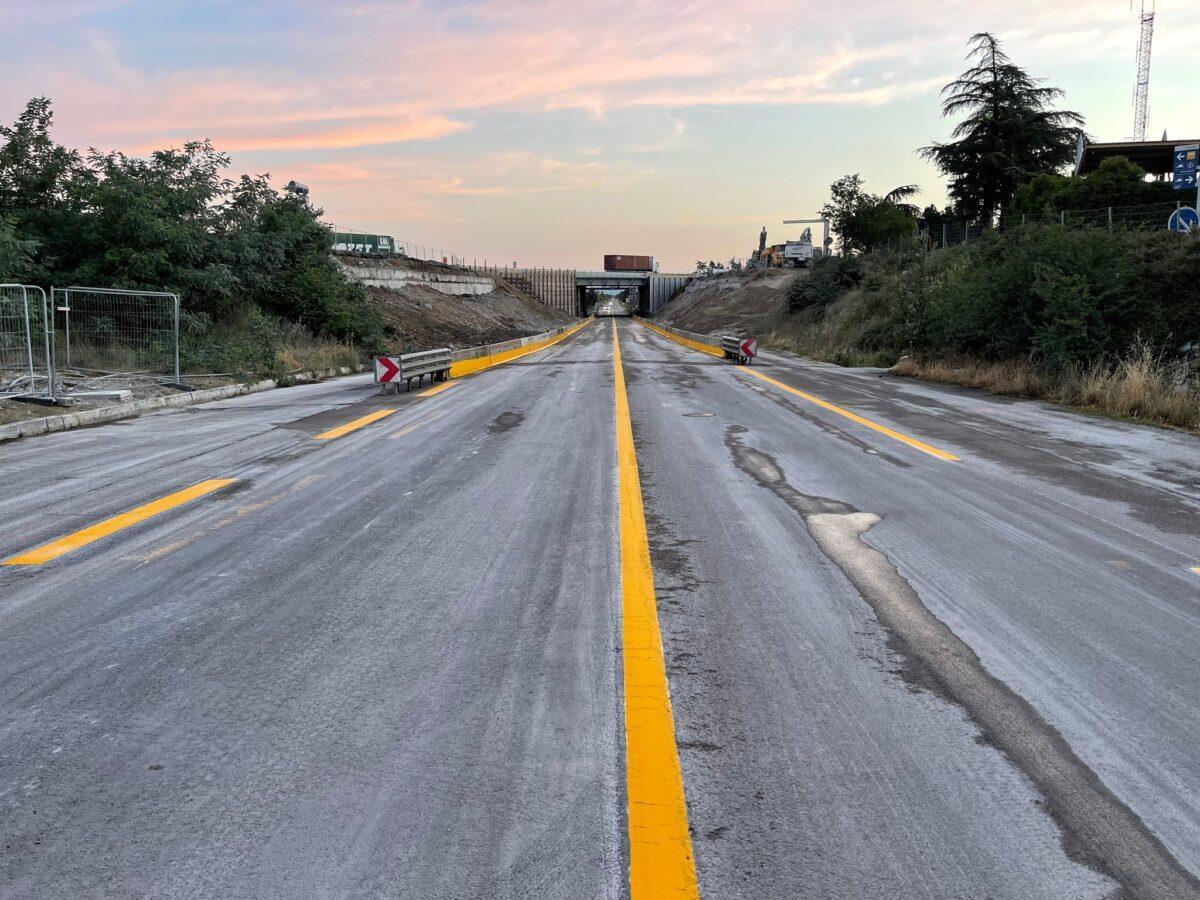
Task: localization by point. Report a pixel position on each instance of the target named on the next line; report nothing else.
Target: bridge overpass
(654, 289)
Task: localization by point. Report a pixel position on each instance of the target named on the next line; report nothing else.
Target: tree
(863, 220)
(236, 251)
(16, 256)
(1117, 182)
(1009, 135)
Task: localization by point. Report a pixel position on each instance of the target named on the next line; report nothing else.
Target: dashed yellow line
(437, 389)
(413, 426)
(354, 425)
(660, 848)
(1196, 570)
(92, 533)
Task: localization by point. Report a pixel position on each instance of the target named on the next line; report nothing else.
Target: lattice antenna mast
(1141, 93)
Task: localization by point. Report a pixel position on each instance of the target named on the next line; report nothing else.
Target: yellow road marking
(812, 398)
(437, 389)
(239, 513)
(687, 342)
(479, 363)
(415, 425)
(1196, 569)
(854, 417)
(660, 849)
(85, 536)
(355, 425)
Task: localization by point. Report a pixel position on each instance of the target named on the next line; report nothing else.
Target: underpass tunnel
(610, 301)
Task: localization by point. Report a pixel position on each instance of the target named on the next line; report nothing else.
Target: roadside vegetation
(260, 291)
(1092, 317)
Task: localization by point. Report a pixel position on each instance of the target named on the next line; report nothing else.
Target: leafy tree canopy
(863, 220)
(1117, 182)
(171, 221)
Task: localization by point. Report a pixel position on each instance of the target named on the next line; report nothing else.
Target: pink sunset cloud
(414, 115)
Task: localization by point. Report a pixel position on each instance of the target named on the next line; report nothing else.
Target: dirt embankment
(419, 317)
(751, 303)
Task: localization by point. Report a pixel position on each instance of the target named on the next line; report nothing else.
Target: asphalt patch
(506, 421)
(1098, 830)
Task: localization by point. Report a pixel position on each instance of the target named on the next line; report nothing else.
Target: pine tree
(1010, 134)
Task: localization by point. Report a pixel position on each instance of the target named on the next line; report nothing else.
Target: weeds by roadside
(1143, 386)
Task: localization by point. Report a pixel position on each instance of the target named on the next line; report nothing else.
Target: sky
(549, 134)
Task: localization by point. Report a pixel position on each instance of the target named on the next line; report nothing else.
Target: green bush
(238, 253)
(1057, 296)
(829, 277)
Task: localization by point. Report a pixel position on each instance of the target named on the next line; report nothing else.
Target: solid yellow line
(660, 850)
(812, 398)
(355, 425)
(479, 363)
(85, 536)
(687, 342)
(437, 389)
(854, 417)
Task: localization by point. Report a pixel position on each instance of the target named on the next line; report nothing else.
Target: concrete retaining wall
(396, 278)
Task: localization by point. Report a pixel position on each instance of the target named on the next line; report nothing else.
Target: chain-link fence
(1150, 216)
(100, 331)
(25, 342)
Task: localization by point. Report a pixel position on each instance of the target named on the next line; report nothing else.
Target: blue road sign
(1186, 158)
(1184, 220)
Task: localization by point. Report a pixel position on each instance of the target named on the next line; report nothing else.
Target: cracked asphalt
(390, 663)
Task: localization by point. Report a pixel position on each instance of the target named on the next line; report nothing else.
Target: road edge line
(462, 367)
(916, 444)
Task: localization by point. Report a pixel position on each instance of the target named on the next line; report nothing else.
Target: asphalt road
(390, 662)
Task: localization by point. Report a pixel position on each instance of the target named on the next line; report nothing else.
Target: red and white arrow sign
(387, 369)
(749, 348)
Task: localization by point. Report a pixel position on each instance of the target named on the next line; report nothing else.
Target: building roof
(1156, 157)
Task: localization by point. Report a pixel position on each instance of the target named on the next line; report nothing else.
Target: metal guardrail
(741, 349)
(391, 370)
(738, 348)
(706, 339)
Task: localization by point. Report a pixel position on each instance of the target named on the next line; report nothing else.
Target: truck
(800, 254)
(797, 254)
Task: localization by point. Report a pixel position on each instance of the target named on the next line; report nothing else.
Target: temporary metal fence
(26, 356)
(102, 331)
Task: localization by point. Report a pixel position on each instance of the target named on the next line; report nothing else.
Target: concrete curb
(133, 408)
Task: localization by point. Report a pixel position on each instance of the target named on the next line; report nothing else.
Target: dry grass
(304, 353)
(1143, 387)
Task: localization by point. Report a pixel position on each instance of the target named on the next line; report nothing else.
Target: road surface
(918, 641)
